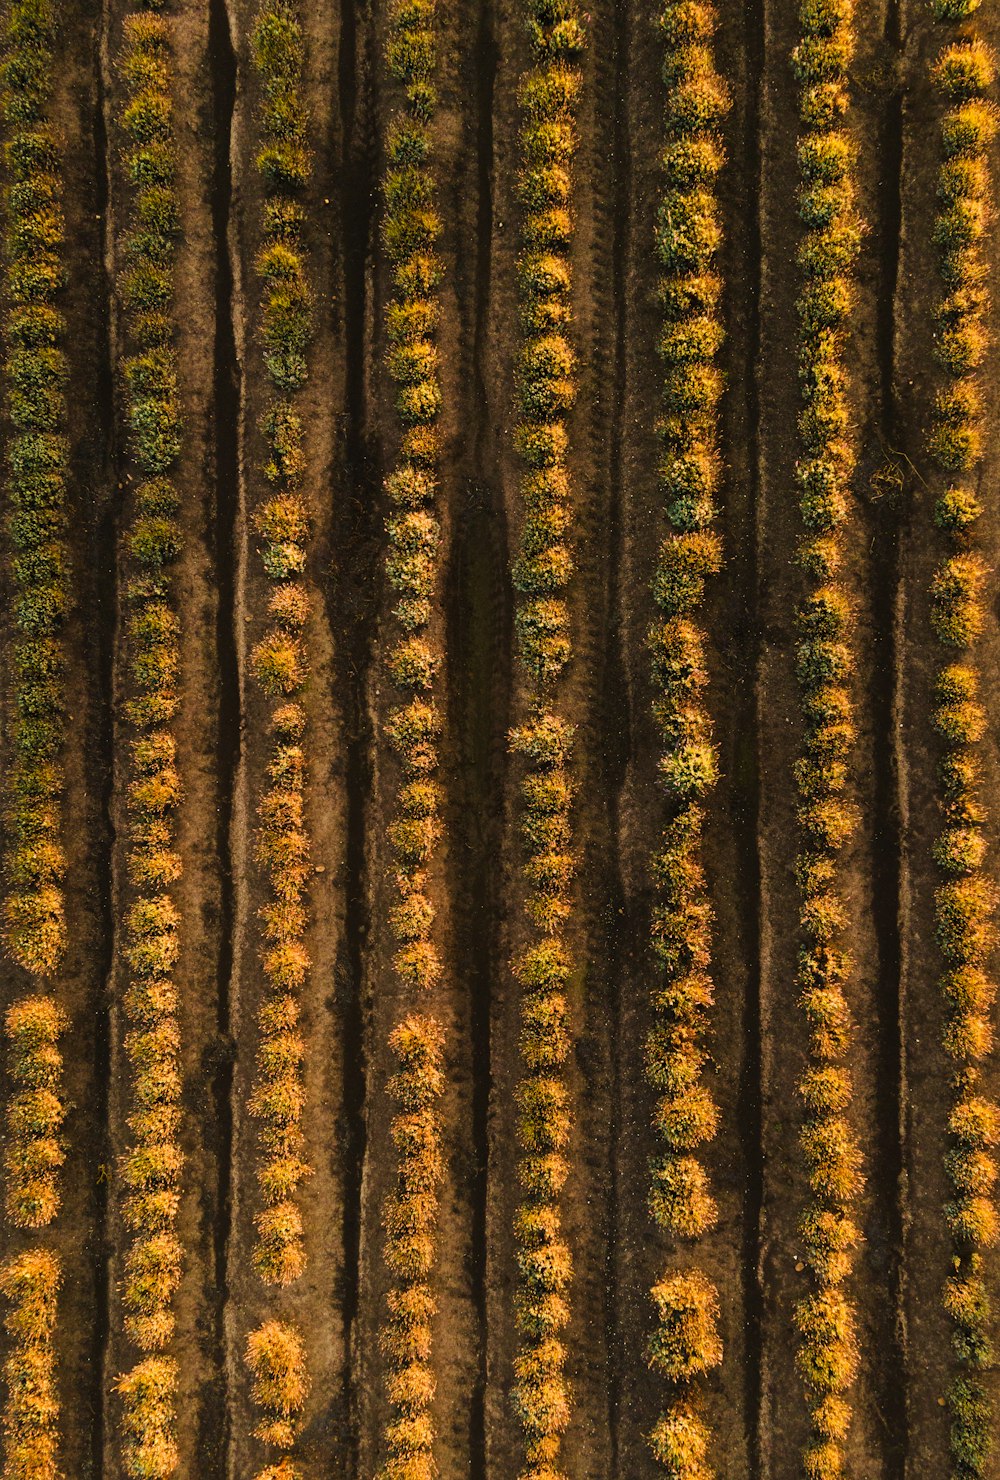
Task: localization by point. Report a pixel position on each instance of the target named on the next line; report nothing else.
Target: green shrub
(954, 10)
(833, 1159)
(276, 44)
(964, 70)
(967, 1302)
(957, 615)
(956, 510)
(690, 770)
(971, 1425)
(279, 1253)
(969, 129)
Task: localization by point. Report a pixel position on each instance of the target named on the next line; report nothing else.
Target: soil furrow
(615, 701)
(888, 1106)
(226, 423)
(104, 1425)
(477, 626)
(106, 608)
(746, 311)
(479, 621)
(635, 1417)
(479, 565)
(236, 843)
(602, 720)
(497, 329)
(759, 49)
(921, 1138)
(354, 537)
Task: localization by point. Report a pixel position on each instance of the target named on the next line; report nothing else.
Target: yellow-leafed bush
(687, 235)
(965, 902)
(151, 1169)
(33, 1152)
(279, 664)
(411, 227)
(29, 1283)
(276, 1358)
(824, 662)
(545, 391)
(149, 1395)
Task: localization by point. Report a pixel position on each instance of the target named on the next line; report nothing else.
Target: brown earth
(351, 1003)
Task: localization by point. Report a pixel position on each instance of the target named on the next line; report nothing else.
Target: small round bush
(680, 1200)
(828, 1356)
(970, 128)
(965, 70)
(687, 1120)
(680, 1443)
(957, 614)
(686, 1343)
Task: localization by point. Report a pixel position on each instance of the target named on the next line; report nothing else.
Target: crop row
(150, 1171)
(411, 227)
(279, 664)
(30, 1283)
(545, 391)
(965, 901)
(827, 1355)
(685, 1344)
(32, 919)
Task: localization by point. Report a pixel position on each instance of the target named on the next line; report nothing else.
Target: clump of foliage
(30, 1282)
(277, 1361)
(34, 375)
(149, 1394)
(680, 1443)
(279, 663)
(545, 391)
(151, 1169)
(965, 900)
(33, 1151)
(32, 913)
(409, 1216)
(687, 236)
(410, 230)
(827, 257)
